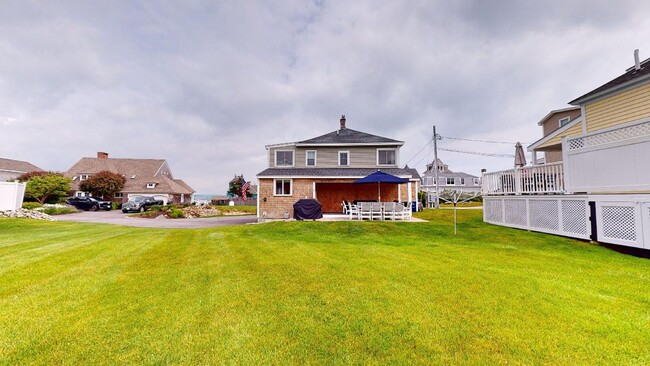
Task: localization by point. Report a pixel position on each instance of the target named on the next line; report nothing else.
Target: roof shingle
(348, 136)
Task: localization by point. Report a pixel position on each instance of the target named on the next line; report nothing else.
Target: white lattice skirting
(620, 219)
(562, 216)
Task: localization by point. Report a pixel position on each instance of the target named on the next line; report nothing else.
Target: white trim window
(119, 195)
(451, 181)
(564, 121)
(284, 157)
(310, 158)
(476, 182)
(151, 185)
(282, 187)
(344, 158)
(462, 181)
(386, 156)
(83, 177)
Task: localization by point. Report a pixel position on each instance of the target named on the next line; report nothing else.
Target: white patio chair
(407, 211)
(389, 210)
(377, 213)
(398, 213)
(365, 210)
(353, 211)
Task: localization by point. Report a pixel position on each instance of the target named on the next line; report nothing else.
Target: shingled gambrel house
(324, 168)
(144, 177)
(12, 169)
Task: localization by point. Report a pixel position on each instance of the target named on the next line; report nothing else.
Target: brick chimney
(102, 155)
(342, 122)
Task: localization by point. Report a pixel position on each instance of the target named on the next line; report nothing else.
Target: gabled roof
(138, 173)
(347, 136)
(554, 112)
(554, 133)
(18, 166)
(631, 76)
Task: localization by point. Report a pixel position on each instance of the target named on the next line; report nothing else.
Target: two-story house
(144, 177)
(324, 168)
(447, 179)
(601, 188)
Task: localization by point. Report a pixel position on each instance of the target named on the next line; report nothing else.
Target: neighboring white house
(447, 180)
(10, 169)
(601, 188)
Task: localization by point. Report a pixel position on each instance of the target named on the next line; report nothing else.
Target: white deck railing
(547, 178)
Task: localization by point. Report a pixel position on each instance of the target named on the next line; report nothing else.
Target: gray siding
(327, 157)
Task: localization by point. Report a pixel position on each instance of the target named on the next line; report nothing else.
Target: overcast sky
(206, 85)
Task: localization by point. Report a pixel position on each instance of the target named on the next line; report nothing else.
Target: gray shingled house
(324, 168)
(447, 180)
(144, 177)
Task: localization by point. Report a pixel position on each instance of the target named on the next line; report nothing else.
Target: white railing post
(517, 186)
(565, 166)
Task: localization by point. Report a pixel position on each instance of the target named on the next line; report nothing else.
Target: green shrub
(156, 208)
(31, 205)
(117, 205)
(176, 214)
(58, 211)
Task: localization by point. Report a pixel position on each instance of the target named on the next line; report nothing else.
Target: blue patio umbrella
(380, 177)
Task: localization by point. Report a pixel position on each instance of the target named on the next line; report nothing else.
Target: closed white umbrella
(520, 157)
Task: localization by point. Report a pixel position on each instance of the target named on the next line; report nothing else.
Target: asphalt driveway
(116, 217)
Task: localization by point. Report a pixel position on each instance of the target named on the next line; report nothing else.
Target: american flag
(244, 187)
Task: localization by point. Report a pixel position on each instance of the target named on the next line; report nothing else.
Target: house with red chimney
(324, 168)
(144, 177)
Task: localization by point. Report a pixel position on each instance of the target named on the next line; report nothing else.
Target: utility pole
(435, 166)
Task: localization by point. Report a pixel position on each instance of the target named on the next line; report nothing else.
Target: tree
(29, 175)
(234, 186)
(105, 184)
(44, 187)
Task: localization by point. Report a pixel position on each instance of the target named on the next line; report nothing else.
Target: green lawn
(317, 292)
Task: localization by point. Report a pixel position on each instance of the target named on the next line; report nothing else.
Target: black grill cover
(307, 209)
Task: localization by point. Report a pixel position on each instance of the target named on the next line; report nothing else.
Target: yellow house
(623, 101)
(600, 189)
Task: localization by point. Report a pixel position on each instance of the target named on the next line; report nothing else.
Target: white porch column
(534, 157)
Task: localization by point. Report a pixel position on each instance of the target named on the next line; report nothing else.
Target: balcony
(537, 179)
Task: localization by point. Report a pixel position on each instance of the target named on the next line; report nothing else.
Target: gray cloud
(209, 84)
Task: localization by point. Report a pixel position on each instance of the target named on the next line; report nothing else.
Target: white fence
(11, 195)
(610, 161)
(619, 219)
(547, 178)
(566, 216)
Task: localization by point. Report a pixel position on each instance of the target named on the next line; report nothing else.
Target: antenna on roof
(637, 64)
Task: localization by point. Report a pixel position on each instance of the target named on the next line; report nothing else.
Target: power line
(418, 153)
(485, 141)
(478, 153)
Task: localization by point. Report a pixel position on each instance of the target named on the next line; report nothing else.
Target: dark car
(89, 203)
(140, 204)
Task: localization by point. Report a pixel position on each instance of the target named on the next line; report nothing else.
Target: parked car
(140, 204)
(89, 203)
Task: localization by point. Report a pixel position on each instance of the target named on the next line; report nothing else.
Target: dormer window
(151, 185)
(564, 121)
(83, 177)
(284, 158)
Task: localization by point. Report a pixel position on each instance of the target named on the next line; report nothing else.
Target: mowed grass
(317, 293)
